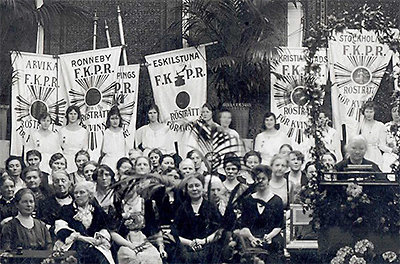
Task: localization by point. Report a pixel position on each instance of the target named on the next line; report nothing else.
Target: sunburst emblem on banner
(290, 92)
(39, 102)
(361, 73)
(95, 97)
(125, 108)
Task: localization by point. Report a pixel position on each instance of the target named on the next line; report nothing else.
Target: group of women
(148, 205)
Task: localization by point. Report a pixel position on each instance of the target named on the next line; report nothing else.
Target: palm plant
(246, 37)
(18, 23)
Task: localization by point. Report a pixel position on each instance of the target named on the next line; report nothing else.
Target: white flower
(389, 256)
(344, 251)
(356, 260)
(338, 260)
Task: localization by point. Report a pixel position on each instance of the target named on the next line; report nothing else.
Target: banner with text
(358, 62)
(179, 81)
(126, 96)
(288, 101)
(90, 78)
(35, 92)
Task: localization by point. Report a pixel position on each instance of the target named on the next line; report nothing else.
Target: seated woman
(104, 178)
(262, 217)
(49, 209)
(135, 225)
(81, 223)
(250, 160)
(214, 185)
(356, 149)
(81, 158)
(8, 207)
(186, 167)
(143, 166)
(196, 156)
(168, 198)
(124, 164)
(32, 175)
(232, 168)
(166, 161)
(57, 162)
(278, 184)
(24, 230)
(89, 168)
(34, 158)
(196, 224)
(14, 166)
(155, 157)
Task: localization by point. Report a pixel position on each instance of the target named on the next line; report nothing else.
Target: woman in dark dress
(83, 227)
(48, 210)
(196, 225)
(262, 217)
(8, 207)
(24, 230)
(167, 197)
(32, 175)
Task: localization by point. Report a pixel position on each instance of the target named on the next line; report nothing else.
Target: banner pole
(107, 33)
(40, 32)
(122, 37)
(95, 19)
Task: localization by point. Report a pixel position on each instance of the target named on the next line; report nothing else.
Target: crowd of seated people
(154, 206)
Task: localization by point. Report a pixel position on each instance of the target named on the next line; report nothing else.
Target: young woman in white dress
(154, 135)
(270, 140)
(114, 144)
(73, 137)
(45, 141)
(375, 134)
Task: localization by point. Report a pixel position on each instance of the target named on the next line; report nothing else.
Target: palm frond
(214, 142)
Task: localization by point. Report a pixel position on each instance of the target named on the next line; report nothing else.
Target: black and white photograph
(199, 131)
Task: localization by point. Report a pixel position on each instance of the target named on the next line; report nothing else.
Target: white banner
(179, 81)
(358, 62)
(288, 102)
(35, 92)
(90, 78)
(126, 97)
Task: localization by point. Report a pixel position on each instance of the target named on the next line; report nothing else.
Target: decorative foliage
(245, 37)
(215, 143)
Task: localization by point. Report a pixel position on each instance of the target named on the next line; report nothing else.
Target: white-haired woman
(356, 150)
(82, 227)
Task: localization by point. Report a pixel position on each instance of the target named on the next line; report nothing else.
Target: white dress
(114, 148)
(46, 145)
(269, 144)
(376, 139)
(71, 143)
(150, 139)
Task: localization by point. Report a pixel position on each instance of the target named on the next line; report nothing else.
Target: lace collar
(84, 214)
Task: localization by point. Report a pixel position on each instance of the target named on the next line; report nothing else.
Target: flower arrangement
(363, 253)
(59, 254)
